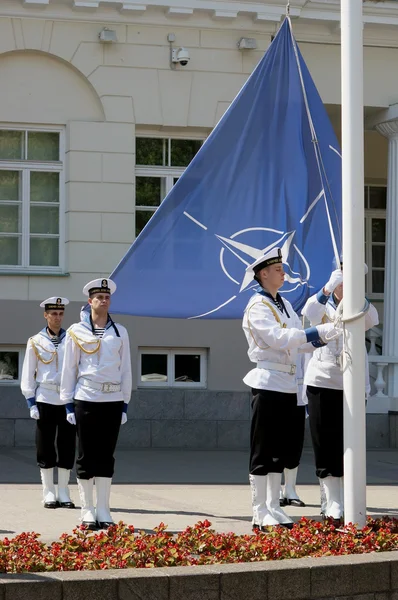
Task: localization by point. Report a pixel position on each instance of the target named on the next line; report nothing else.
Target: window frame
(25, 167)
(369, 215)
(372, 213)
(21, 356)
(170, 353)
(161, 171)
(167, 173)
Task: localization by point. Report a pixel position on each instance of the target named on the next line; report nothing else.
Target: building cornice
(378, 13)
(315, 21)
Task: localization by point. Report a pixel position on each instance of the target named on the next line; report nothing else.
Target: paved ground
(176, 487)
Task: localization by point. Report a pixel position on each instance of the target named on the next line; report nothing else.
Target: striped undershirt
(55, 340)
(278, 304)
(99, 332)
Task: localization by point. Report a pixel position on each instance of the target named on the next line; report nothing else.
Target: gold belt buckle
(106, 387)
(292, 370)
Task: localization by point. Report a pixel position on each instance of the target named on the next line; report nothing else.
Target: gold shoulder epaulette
(80, 341)
(272, 309)
(53, 354)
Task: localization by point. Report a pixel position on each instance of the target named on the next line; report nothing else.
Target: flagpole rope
(339, 319)
(318, 155)
(339, 323)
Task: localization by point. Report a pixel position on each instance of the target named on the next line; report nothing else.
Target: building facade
(96, 125)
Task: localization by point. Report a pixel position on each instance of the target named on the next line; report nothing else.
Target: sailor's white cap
(99, 286)
(272, 257)
(54, 303)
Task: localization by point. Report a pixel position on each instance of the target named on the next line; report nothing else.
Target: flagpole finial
(288, 9)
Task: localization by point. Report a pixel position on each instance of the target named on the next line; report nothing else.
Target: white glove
(34, 412)
(71, 418)
(335, 279)
(124, 418)
(328, 332)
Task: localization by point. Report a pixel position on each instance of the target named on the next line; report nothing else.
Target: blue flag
(268, 175)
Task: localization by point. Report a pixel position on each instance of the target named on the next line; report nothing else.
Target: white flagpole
(353, 261)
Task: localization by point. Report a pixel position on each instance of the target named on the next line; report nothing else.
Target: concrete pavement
(177, 487)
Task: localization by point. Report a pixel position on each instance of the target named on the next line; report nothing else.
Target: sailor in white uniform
(274, 334)
(40, 384)
(288, 495)
(96, 385)
(324, 381)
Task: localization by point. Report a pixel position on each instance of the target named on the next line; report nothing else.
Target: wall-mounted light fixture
(247, 43)
(107, 36)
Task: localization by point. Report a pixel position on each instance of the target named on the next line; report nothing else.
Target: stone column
(390, 329)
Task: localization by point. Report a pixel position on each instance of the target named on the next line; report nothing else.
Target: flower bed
(121, 547)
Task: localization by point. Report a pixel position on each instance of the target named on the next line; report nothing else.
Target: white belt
(106, 387)
(49, 386)
(331, 361)
(271, 366)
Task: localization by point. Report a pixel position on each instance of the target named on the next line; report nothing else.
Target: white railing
(379, 400)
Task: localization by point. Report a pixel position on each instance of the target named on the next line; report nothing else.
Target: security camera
(180, 55)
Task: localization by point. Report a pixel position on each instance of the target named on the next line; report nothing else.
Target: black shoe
(91, 525)
(288, 525)
(67, 505)
(282, 501)
(104, 524)
(51, 505)
(294, 502)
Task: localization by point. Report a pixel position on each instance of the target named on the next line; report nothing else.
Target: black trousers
(325, 409)
(296, 438)
(276, 433)
(55, 438)
(98, 425)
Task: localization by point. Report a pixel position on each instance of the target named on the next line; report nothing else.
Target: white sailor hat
(54, 303)
(365, 266)
(273, 257)
(99, 286)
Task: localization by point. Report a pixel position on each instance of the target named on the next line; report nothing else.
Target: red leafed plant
(121, 547)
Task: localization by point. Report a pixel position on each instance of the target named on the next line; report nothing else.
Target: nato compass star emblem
(236, 245)
(247, 254)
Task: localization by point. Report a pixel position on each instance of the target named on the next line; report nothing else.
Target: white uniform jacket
(43, 364)
(324, 369)
(274, 336)
(302, 363)
(103, 360)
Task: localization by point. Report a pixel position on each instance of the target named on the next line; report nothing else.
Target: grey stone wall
(195, 419)
(187, 419)
(354, 577)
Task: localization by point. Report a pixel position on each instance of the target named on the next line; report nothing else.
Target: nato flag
(268, 175)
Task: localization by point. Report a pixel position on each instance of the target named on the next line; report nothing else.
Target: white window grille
(159, 164)
(375, 239)
(31, 200)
